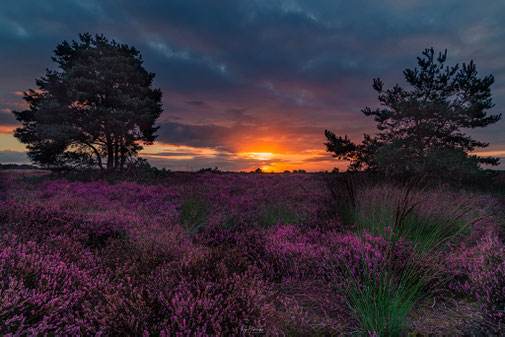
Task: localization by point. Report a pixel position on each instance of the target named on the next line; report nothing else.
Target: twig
(457, 305)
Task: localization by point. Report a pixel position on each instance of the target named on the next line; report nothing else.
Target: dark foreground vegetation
(248, 254)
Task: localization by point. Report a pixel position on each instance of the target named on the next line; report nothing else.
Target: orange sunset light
(280, 162)
(258, 155)
(7, 130)
(267, 158)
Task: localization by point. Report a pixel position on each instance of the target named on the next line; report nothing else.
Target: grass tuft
(194, 213)
(271, 215)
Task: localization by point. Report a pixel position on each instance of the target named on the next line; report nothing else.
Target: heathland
(248, 254)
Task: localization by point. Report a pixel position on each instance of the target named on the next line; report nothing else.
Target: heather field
(248, 254)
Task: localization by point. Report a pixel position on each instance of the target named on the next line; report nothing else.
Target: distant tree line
(18, 167)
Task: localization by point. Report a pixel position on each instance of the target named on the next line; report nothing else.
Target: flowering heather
(480, 272)
(230, 254)
(42, 292)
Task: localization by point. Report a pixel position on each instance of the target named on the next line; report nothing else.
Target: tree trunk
(110, 153)
(123, 153)
(98, 157)
(97, 154)
(116, 153)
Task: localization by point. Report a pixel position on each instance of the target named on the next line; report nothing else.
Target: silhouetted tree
(420, 128)
(98, 104)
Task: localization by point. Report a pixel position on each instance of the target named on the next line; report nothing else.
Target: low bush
(480, 273)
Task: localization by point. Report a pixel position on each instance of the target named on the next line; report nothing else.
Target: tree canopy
(420, 127)
(98, 104)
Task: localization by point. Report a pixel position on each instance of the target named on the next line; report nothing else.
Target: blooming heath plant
(231, 254)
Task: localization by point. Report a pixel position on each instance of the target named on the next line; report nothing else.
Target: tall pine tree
(96, 109)
(420, 129)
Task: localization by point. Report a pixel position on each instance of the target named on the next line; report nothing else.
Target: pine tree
(418, 126)
(98, 105)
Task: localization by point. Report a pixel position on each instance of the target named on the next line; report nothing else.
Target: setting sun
(259, 155)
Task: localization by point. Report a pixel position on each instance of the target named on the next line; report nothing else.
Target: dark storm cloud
(196, 103)
(7, 118)
(194, 135)
(230, 67)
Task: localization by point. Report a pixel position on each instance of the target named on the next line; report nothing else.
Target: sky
(254, 83)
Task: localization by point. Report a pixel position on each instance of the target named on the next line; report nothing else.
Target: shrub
(41, 293)
(480, 273)
(211, 292)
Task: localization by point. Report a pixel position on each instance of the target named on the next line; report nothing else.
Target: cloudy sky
(254, 83)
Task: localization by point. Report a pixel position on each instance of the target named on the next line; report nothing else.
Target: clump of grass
(194, 213)
(277, 213)
(381, 307)
(380, 300)
(425, 217)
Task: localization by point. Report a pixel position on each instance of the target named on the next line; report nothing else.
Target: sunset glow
(182, 157)
(258, 155)
(6, 130)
